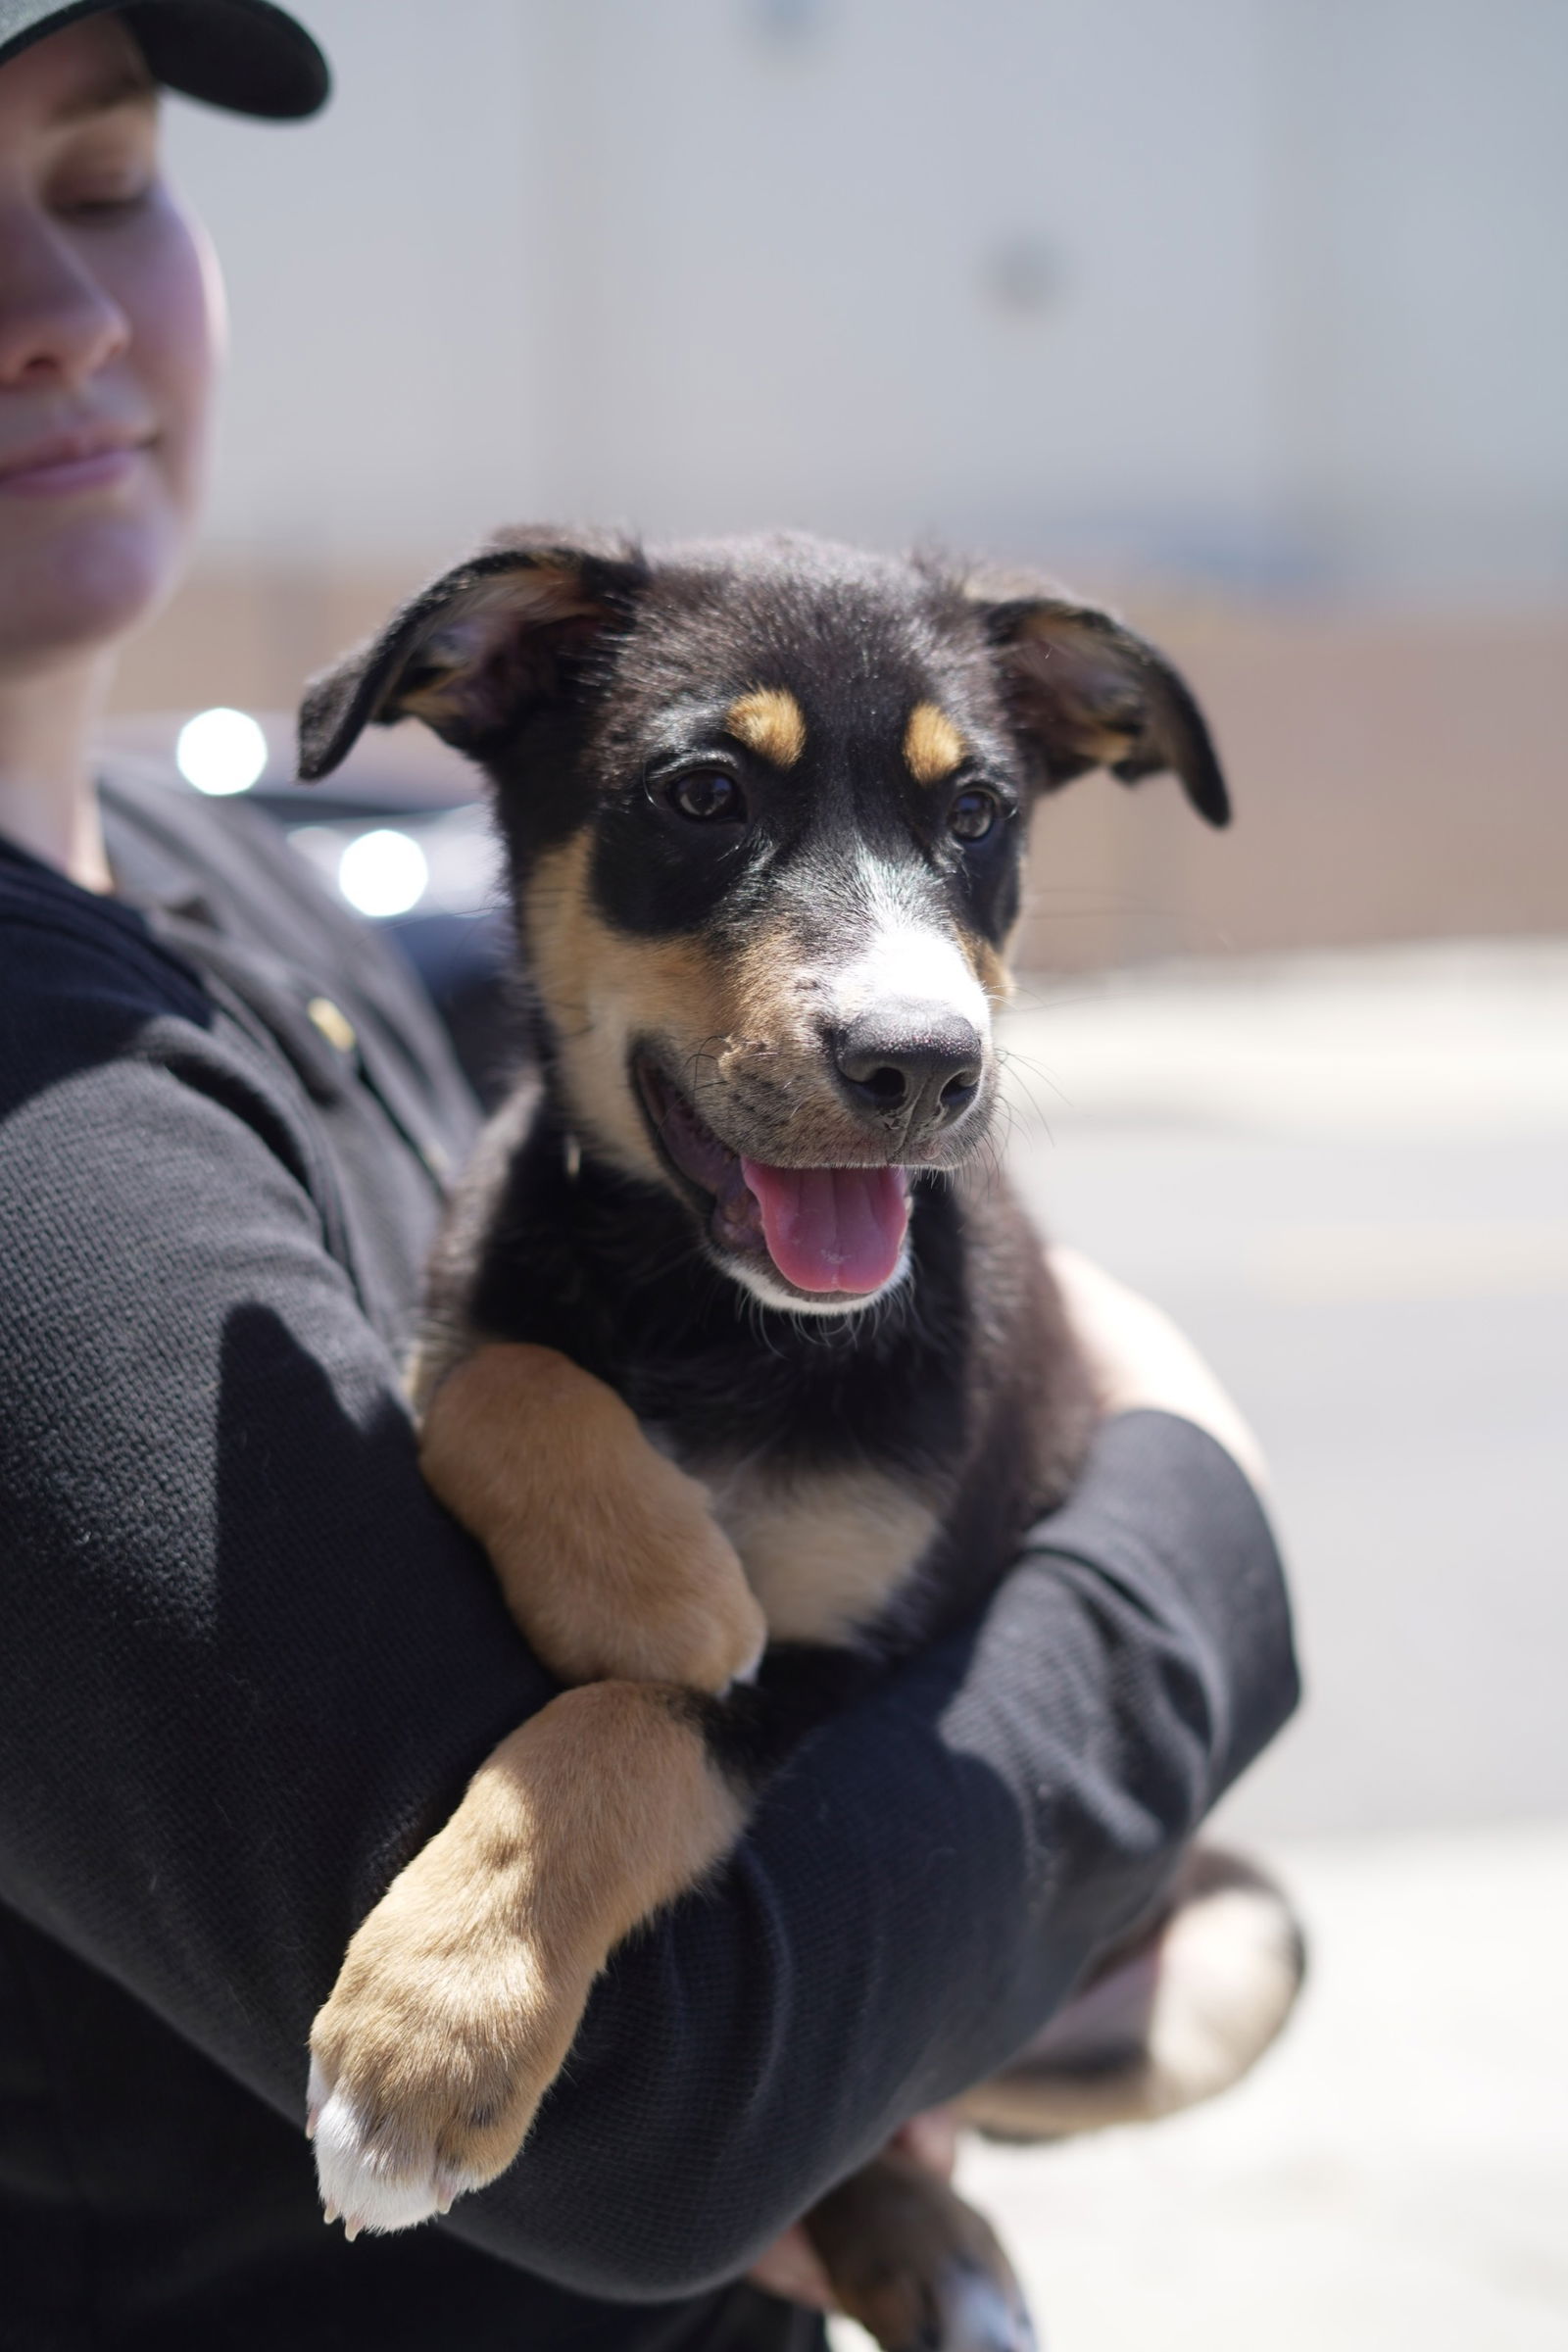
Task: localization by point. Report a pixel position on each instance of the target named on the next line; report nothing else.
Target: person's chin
(78, 580)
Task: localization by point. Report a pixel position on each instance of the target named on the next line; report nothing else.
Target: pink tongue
(831, 1229)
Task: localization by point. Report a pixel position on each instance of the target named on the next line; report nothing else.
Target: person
(248, 1662)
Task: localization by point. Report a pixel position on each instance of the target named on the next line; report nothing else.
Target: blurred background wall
(1247, 314)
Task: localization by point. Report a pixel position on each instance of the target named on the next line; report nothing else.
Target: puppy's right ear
(477, 648)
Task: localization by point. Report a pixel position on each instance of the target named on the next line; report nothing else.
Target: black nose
(920, 1063)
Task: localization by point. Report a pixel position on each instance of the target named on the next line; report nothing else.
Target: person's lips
(91, 458)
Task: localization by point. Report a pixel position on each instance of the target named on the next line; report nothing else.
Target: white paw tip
(749, 1672)
(361, 2180)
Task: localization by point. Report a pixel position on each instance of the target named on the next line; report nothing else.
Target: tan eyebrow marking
(771, 722)
(932, 745)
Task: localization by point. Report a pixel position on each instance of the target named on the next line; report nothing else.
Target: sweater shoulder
(77, 975)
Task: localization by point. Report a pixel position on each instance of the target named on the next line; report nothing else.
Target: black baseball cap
(242, 54)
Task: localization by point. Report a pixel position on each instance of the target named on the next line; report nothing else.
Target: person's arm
(249, 1666)
(1141, 1361)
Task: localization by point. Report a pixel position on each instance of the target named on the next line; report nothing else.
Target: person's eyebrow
(124, 85)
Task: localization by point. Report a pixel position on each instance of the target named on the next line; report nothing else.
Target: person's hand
(789, 2268)
(1139, 1358)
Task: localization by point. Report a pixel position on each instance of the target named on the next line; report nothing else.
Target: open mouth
(824, 1231)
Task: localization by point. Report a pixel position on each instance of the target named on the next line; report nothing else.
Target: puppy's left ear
(1085, 692)
(477, 649)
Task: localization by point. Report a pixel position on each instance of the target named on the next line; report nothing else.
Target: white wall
(1423, 233)
(1247, 290)
(384, 269)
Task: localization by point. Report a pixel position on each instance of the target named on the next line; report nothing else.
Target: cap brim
(245, 55)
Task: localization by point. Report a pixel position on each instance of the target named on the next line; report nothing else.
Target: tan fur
(462, 1991)
(823, 1555)
(989, 968)
(771, 722)
(932, 745)
(609, 1556)
(614, 1562)
(603, 987)
(769, 1021)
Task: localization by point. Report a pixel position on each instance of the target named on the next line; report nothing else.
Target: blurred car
(400, 833)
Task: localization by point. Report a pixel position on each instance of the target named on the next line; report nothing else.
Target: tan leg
(462, 1991)
(919, 2268)
(1174, 2018)
(610, 1558)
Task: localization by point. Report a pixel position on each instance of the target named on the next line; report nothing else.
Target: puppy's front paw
(365, 2181)
(428, 2064)
(460, 1993)
(609, 1555)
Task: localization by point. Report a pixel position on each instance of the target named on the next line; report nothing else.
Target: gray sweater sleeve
(248, 1666)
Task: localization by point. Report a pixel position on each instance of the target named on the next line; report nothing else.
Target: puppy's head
(766, 807)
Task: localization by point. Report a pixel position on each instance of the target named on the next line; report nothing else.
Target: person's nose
(59, 325)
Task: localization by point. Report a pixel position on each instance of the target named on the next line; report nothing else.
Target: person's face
(108, 319)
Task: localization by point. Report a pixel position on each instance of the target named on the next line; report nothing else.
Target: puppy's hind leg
(919, 2268)
(1177, 2015)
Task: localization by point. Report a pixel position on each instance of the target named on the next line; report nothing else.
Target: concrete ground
(1348, 1176)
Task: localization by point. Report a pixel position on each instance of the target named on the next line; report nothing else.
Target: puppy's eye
(973, 813)
(708, 796)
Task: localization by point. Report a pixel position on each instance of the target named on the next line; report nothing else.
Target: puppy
(737, 1341)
